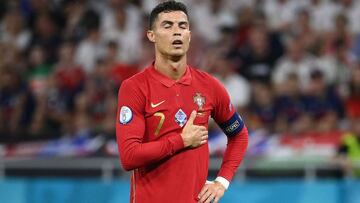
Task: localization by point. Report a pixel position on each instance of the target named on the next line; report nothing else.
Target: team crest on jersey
(180, 118)
(199, 100)
(125, 115)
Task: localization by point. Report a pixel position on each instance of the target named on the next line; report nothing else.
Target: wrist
(184, 140)
(222, 181)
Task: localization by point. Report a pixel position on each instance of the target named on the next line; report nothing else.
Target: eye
(167, 25)
(183, 25)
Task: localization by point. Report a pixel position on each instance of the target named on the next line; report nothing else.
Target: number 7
(162, 119)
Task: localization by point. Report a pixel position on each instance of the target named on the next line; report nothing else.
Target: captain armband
(233, 126)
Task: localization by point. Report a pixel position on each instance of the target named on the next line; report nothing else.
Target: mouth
(177, 43)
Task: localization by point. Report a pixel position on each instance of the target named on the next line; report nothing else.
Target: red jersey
(152, 110)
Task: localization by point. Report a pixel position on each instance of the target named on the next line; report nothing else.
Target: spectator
(262, 108)
(304, 32)
(216, 15)
(116, 70)
(46, 35)
(16, 106)
(322, 13)
(295, 60)
(91, 48)
(50, 77)
(351, 8)
(280, 13)
(122, 23)
(348, 151)
(39, 70)
(352, 103)
(259, 55)
(236, 85)
(74, 12)
(340, 33)
(14, 33)
(323, 104)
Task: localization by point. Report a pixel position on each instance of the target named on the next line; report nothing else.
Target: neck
(173, 67)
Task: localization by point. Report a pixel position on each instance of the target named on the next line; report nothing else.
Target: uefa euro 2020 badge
(125, 115)
(199, 100)
(180, 118)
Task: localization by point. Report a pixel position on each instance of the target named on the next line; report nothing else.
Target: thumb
(192, 117)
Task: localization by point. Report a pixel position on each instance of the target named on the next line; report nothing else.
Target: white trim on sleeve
(223, 182)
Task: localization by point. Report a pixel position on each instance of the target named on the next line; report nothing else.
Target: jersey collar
(168, 82)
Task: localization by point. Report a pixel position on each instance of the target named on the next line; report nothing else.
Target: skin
(171, 61)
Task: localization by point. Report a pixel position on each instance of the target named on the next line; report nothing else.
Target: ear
(150, 35)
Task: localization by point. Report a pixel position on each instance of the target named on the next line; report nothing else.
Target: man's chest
(167, 109)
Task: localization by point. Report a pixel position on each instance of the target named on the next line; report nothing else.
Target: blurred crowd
(290, 66)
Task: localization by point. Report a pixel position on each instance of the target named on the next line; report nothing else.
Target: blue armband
(233, 126)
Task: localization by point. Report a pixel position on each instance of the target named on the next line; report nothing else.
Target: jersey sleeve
(130, 130)
(227, 118)
(223, 109)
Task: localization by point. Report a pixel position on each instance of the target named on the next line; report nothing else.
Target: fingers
(203, 190)
(210, 192)
(203, 142)
(204, 137)
(207, 197)
(192, 117)
(200, 127)
(210, 198)
(201, 131)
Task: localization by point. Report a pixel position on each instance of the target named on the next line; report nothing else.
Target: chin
(178, 53)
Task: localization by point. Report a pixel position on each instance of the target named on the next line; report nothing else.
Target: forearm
(134, 154)
(234, 153)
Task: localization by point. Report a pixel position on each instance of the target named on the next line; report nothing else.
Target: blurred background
(291, 67)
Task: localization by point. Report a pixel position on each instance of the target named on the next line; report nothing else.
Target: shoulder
(214, 86)
(204, 77)
(136, 84)
(137, 79)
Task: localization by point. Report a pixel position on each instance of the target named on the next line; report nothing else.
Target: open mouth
(177, 42)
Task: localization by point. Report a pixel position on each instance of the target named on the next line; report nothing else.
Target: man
(348, 156)
(163, 118)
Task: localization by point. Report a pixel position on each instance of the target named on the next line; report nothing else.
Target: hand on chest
(167, 110)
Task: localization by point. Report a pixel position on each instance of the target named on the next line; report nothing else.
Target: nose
(177, 31)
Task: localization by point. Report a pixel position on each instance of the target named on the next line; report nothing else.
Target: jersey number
(162, 119)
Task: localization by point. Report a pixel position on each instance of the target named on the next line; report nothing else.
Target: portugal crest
(199, 100)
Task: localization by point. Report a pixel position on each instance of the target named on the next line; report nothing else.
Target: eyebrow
(183, 23)
(171, 23)
(167, 22)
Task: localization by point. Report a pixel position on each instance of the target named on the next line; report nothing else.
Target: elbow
(127, 162)
(128, 167)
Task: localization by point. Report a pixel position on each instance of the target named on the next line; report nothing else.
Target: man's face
(171, 34)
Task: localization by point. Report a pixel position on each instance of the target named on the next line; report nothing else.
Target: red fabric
(70, 78)
(165, 171)
(242, 35)
(353, 107)
(234, 153)
(121, 72)
(303, 140)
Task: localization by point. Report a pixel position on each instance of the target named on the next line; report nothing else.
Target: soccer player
(162, 120)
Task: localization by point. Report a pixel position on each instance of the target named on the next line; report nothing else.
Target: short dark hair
(166, 7)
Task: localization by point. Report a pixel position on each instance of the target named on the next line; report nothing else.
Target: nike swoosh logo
(156, 105)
